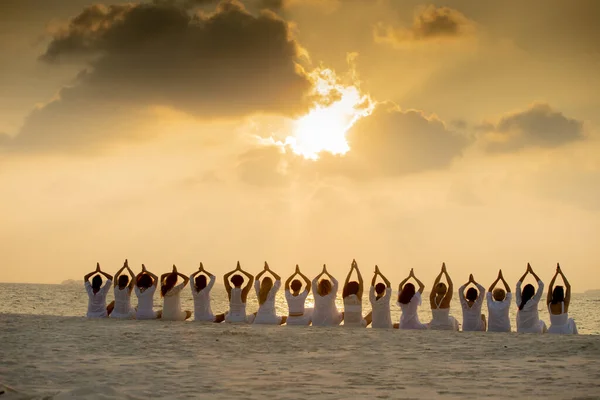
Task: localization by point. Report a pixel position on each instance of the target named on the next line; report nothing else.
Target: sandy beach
(72, 357)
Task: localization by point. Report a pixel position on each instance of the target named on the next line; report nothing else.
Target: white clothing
(528, 319)
(561, 323)
(296, 306)
(172, 304)
(380, 309)
(123, 307)
(472, 315)
(410, 315)
(441, 319)
(202, 310)
(97, 301)
(237, 309)
(266, 311)
(326, 312)
(145, 309)
(296, 303)
(498, 318)
(353, 312)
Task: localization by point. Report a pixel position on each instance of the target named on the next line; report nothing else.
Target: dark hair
(350, 288)
(145, 281)
(380, 288)
(440, 286)
(472, 294)
(406, 294)
(265, 287)
(200, 282)
(123, 281)
(558, 295)
(526, 295)
(237, 280)
(97, 282)
(168, 284)
(324, 287)
(296, 285)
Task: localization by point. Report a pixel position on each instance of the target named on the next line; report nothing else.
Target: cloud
(228, 63)
(388, 143)
(537, 126)
(429, 23)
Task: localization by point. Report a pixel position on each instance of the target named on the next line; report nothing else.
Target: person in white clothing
(528, 319)
(325, 312)
(440, 299)
(266, 291)
(498, 304)
(352, 294)
(379, 297)
(298, 314)
(471, 303)
(237, 295)
(409, 301)
(123, 286)
(97, 293)
(171, 292)
(201, 294)
(558, 306)
(146, 283)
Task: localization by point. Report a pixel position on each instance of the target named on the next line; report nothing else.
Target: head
(200, 282)
(407, 293)
(144, 281)
(296, 285)
(380, 289)
(237, 280)
(169, 283)
(499, 294)
(558, 295)
(123, 281)
(472, 294)
(265, 286)
(526, 295)
(441, 288)
(350, 288)
(324, 287)
(97, 282)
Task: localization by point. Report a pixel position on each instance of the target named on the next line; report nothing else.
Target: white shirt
(202, 309)
(528, 319)
(296, 303)
(145, 307)
(122, 303)
(410, 313)
(472, 315)
(237, 308)
(498, 320)
(381, 309)
(325, 312)
(97, 301)
(172, 303)
(268, 307)
(353, 311)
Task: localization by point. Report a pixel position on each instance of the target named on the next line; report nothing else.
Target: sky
(398, 133)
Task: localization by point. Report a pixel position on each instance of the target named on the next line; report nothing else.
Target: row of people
(238, 284)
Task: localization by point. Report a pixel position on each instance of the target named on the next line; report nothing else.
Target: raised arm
(567, 287)
(115, 283)
(491, 289)
(227, 276)
(315, 281)
(261, 273)
(401, 285)
(291, 278)
(360, 281)
(435, 283)
(277, 277)
(528, 270)
(540, 290)
(153, 276)
(349, 276)
(306, 280)
(87, 277)
(182, 276)
(421, 285)
(131, 277)
(506, 286)
(481, 291)
(450, 291)
(107, 276)
(248, 286)
(551, 287)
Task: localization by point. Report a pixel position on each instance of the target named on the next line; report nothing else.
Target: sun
(336, 110)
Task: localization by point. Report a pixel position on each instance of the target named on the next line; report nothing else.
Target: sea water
(71, 300)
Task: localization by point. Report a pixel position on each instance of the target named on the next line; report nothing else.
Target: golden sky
(399, 133)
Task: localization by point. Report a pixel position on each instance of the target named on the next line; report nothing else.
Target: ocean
(70, 300)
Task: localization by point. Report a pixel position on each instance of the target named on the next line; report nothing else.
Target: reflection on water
(71, 300)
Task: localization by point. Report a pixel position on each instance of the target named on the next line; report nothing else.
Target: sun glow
(337, 108)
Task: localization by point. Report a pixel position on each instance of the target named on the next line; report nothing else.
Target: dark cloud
(227, 63)
(429, 23)
(390, 142)
(538, 126)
